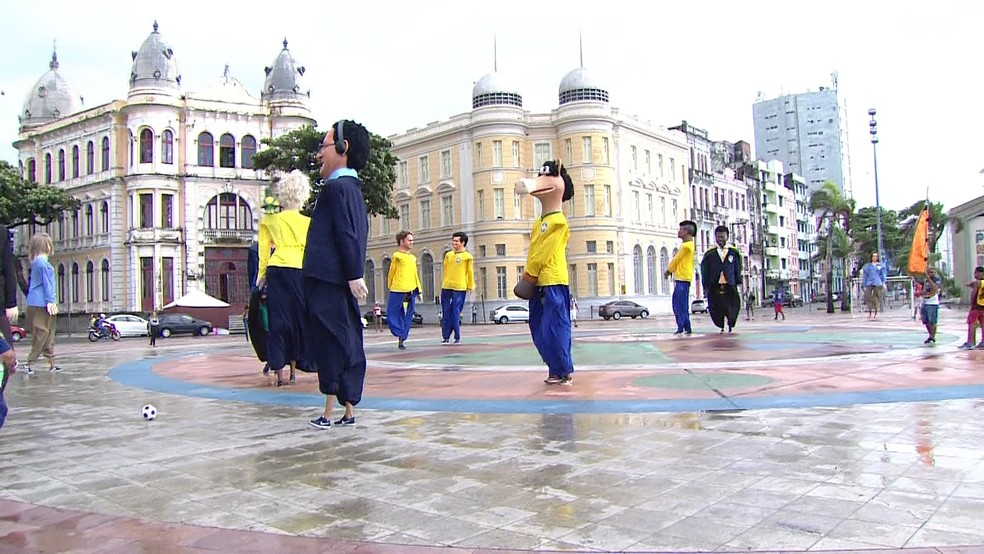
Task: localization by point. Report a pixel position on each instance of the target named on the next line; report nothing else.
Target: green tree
(864, 235)
(834, 213)
(23, 202)
(298, 148)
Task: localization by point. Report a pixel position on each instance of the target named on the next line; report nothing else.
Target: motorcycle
(108, 331)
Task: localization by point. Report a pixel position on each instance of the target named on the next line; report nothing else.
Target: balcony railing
(227, 236)
(153, 235)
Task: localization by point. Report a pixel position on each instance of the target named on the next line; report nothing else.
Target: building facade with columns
(630, 182)
(169, 195)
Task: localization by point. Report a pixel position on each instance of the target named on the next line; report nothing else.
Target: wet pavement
(818, 433)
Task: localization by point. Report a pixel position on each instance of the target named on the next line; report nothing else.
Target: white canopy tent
(197, 299)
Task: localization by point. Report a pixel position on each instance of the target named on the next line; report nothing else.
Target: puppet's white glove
(12, 314)
(52, 308)
(358, 288)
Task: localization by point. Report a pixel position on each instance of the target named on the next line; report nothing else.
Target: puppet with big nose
(545, 281)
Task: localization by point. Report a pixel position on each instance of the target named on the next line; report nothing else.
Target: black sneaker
(346, 421)
(28, 370)
(568, 380)
(55, 368)
(552, 380)
(321, 423)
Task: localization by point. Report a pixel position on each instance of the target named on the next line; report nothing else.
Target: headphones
(339, 137)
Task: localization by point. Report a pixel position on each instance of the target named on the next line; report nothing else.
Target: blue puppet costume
(334, 258)
(545, 281)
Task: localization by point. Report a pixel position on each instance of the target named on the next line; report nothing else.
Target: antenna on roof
(495, 54)
(580, 43)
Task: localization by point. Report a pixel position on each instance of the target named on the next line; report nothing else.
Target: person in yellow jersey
(403, 282)
(682, 269)
(286, 232)
(545, 281)
(459, 278)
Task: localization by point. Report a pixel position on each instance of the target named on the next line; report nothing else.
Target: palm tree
(833, 213)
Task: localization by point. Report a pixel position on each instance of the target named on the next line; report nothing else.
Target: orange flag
(920, 247)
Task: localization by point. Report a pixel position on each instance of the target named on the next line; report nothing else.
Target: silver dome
(49, 99)
(582, 84)
(495, 89)
(283, 79)
(154, 64)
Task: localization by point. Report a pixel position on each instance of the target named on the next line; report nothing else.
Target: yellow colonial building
(459, 175)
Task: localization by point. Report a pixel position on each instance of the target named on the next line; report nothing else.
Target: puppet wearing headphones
(545, 282)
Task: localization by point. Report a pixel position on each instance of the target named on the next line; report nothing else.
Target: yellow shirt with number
(403, 275)
(547, 258)
(287, 233)
(682, 265)
(459, 271)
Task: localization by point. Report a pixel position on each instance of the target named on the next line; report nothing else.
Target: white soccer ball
(149, 412)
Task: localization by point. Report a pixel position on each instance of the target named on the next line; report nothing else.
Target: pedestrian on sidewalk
(41, 307)
(778, 296)
(975, 316)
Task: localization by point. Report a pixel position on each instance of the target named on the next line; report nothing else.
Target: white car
(129, 325)
(510, 313)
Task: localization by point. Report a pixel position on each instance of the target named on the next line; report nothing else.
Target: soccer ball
(149, 412)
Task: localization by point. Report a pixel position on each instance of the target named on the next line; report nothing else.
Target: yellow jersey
(459, 271)
(682, 265)
(547, 258)
(403, 275)
(285, 232)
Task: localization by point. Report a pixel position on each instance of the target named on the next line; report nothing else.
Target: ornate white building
(166, 179)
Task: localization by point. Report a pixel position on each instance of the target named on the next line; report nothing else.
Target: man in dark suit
(720, 272)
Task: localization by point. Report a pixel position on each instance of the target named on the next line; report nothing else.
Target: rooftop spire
(285, 43)
(580, 42)
(155, 25)
(495, 54)
(54, 55)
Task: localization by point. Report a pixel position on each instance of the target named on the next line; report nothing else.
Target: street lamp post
(873, 129)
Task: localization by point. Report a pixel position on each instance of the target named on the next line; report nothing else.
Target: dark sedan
(615, 310)
(184, 323)
(417, 318)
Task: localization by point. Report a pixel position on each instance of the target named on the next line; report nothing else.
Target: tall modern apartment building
(807, 132)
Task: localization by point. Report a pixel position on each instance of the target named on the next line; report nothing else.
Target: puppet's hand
(12, 314)
(358, 288)
(52, 308)
(260, 283)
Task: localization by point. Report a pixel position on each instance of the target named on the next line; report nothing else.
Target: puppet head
(552, 187)
(293, 190)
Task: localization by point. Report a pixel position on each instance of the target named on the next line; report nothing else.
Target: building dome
(226, 89)
(49, 99)
(495, 89)
(283, 79)
(581, 85)
(154, 65)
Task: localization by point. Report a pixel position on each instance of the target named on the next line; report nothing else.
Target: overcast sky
(396, 65)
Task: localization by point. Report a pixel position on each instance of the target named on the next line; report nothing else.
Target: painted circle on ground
(702, 381)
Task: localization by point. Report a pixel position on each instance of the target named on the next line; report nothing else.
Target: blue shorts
(930, 314)
(4, 346)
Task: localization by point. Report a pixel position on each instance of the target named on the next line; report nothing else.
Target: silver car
(510, 313)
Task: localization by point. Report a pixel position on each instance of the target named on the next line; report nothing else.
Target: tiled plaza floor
(830, 433)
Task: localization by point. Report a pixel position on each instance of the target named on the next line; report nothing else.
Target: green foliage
(834, 213)
(864, 233)
(938, 221)
(298, 148)
(23, 202)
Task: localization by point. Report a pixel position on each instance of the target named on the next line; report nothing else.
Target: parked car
(615, 310)
(698, 305)
(510, 313)
(129, 325)
(17, 333)
(369, 318)
(792, 301)
(183, 323)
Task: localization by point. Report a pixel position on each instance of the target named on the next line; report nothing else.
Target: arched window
(228, 211)
(75, 161)
(47, 168)
(61, 164)
(104, 215)
(249, 150)
(75, 282)
(637, 267)
(146, 146)
(130, 145)
(651, 269)
(370, 277)
(75, 224)
(90, 282)
(427, 276)
(61, 227)
(386, 271)
(206, 150)
(664, 263)
(167, 147)
(90, 227)
(90, 158)
(105, 154)
(32, 170)
(104, 280)
(227, 151)
(61, 282)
